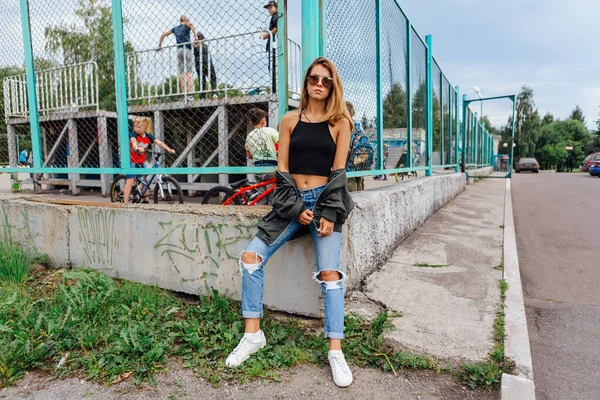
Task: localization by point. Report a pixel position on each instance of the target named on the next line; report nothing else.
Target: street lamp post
(478, 91)
(569, 161)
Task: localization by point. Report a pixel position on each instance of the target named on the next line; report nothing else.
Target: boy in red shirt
(139, 141)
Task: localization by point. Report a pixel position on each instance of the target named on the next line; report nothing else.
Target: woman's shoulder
(291, 116)
(343, 124)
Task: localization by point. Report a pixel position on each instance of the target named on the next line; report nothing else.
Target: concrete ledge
(477, 173)
(517, 388)
(193, 249)
(384, 218)
(516, 343)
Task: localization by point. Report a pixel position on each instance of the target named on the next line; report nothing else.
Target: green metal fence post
(322, 28)
(442, 122)
(282, 62)
(464, 133)
(312, 14)
(512, 145)
(429, 42)
(457, 123)
(120, 83)
(476, 139)
(409, 113)
(34, 123)
(379, 67)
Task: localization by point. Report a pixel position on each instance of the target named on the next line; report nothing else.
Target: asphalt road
(557, 221)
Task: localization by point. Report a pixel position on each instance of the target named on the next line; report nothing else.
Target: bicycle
(239, 193)
(167, 188)
(401, 175)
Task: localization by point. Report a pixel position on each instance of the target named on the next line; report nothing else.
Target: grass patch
(84, 323)
(108, 330)
(488, 373)
(16, 260)
(424, 265)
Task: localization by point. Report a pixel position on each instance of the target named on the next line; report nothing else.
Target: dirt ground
(304, 382)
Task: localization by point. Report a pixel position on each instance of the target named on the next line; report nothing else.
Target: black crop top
(312, 149)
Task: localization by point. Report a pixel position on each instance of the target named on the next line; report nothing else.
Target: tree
(91, 42)
(577, 114)
(555, 137)
(548, 119)
(419, 108)
(394, 108)
(527, 124)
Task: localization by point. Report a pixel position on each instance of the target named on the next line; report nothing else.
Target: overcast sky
(500, 45)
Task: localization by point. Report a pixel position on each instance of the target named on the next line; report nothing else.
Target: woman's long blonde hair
(335, 106)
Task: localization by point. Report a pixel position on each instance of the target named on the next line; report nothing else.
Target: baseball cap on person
(270, 3)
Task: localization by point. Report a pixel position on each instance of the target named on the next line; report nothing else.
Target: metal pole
(311, 28)
(409, 141)
(379, 66)
(429, 41)
(457, 122)
(464, 134)
(512, 145)
(34, 123)
(120, 83)
(282, 62)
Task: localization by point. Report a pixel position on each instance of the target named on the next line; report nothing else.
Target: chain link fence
(197, 73)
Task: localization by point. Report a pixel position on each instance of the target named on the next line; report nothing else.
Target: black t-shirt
(272, 25)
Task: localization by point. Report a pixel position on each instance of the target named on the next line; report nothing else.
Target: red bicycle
(239, 193)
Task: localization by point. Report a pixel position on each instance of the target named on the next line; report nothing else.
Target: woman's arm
(285, 134)
(342, 143)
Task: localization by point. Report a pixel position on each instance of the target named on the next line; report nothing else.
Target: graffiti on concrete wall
(15, 228)
(210, 243)
(97, 234)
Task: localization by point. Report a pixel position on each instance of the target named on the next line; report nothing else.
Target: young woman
(311, 196)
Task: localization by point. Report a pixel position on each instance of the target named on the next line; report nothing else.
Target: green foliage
(90, 40)
(553, 139)
(15, 261)
(111, 329)
(394, 108)
(577, 114)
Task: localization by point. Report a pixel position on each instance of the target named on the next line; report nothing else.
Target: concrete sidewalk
(442, 278)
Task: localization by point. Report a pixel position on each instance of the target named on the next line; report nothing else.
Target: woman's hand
(306, 217)
(325, 227)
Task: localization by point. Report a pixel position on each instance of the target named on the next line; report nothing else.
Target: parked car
(595, 167)
(528, 164)
(585, 166)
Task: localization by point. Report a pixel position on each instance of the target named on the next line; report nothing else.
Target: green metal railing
(403, 99)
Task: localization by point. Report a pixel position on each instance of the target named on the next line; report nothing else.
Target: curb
(516, 343)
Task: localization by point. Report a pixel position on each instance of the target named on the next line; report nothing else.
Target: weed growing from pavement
(500, 267)
(487, 374)
(424, 265)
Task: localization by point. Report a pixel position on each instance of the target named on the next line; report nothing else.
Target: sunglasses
(315, 79)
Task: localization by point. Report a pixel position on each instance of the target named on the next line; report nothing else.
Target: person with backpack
(361, 154)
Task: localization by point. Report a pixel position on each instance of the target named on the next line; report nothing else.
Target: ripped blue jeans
(328, 249)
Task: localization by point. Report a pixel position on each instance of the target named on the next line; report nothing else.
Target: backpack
(361, 155)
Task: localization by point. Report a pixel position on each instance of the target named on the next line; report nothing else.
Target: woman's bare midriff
(304, 182)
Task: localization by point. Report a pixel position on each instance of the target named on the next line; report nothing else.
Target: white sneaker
(342, 376)
(244, 350)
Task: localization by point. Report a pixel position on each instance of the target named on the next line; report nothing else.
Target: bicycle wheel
(171, 191)
(116, 189)
(219, 194)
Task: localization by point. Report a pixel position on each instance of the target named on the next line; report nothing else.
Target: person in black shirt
(205, 66)
(271, 6)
